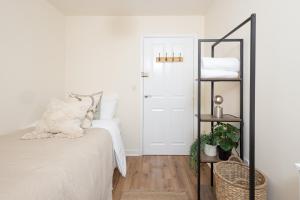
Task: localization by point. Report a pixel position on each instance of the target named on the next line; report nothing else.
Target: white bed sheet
(113, 127)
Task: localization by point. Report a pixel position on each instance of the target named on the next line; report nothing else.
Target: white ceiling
(132, 7)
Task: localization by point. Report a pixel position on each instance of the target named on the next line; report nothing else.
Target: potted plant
(209, 141)
(208, 145)
(227, 138)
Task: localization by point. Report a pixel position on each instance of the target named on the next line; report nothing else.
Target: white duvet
(112, 126)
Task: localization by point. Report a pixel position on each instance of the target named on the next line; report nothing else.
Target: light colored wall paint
(131, 7)
(277, 94)
(31, 60)
(104, 53)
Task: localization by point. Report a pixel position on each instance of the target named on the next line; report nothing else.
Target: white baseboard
(133, 152)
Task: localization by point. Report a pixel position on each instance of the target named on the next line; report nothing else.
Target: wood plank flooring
(162, 174)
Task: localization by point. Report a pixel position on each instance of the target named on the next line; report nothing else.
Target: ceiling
(131, 7)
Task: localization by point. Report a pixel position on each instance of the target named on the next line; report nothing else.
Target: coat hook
(173, 59)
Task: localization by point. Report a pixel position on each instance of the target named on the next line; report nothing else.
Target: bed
(60, 169)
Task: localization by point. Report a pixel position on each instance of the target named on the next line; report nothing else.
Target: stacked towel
(211, 73)
(226, 64)
(220, 67)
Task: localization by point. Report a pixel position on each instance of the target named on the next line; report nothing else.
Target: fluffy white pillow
(61, 119)
(108, 107)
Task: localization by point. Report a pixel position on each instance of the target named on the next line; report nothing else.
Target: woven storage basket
(232, 181)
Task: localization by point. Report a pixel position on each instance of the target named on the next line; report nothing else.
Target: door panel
(168, 97)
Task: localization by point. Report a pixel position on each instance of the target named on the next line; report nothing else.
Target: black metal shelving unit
(229, 118)
(226, 118)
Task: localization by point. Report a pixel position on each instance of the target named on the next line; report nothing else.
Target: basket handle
(235, 159)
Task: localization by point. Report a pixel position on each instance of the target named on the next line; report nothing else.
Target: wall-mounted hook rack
(169, 59)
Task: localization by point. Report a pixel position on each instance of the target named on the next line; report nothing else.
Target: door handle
(147, 96)
(145, 75)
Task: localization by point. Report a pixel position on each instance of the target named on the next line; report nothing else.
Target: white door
(168, 97)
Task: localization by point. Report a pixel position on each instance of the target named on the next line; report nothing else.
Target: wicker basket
(232, 181)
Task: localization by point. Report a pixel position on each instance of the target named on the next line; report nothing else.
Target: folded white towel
(227, 64)
(210, 73)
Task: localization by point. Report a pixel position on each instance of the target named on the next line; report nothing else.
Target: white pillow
(108, 107)
(61, 119)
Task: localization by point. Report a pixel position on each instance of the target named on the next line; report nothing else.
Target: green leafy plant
(210, 139)
(194, 155)
(227, 136)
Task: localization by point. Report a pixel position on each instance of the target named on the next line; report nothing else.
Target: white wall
(103, 53)
(31, 60)
(277, 95)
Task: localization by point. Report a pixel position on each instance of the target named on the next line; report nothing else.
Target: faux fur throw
(61, 119)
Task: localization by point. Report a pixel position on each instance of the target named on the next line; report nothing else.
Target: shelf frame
(209, 118)
(225, 118)
(209, 159)
(220, 79)
(252, 21)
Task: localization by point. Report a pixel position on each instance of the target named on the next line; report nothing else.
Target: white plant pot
(210, 150)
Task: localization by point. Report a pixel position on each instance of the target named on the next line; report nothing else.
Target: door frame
(195, 38)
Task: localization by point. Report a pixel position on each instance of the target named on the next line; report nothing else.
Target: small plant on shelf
(227, 138)
(208, 146)
(209, 141)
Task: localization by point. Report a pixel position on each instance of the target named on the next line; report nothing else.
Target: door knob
(145, 75)
(147, 96)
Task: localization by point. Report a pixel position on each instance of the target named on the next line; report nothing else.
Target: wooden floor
(162, 174)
